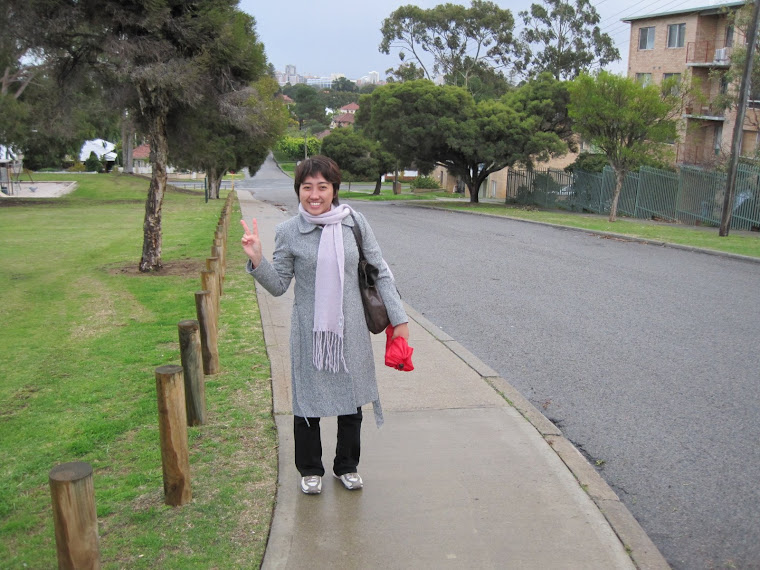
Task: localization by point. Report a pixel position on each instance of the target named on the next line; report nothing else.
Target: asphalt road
(646, 357)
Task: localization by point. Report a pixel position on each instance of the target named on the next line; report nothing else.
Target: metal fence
(690, 196)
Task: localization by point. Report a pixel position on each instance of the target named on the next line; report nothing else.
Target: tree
(337, 99)
(419, 121)
(408, 71)
(625, 120)
(360, 156)
(460, 41)
(563, 38)
(309, 107)
(344, 84)
(154, 57)
(546, 98)
(18, 69)
(215, 143)
(39, 116)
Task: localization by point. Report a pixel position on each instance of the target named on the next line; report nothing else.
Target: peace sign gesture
(251, 242)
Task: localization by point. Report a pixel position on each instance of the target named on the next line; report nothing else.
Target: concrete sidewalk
(465, 473)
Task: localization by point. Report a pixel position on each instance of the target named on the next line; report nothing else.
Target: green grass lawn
(742, 243)
(82, 334)
(386, 194)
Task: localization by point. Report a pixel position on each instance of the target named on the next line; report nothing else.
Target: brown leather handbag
(374, 309)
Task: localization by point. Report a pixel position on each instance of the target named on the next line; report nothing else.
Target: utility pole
(728, 201)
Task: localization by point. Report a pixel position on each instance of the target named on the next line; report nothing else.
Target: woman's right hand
(251, 242)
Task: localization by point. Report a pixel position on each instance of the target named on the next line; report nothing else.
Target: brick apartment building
(694, 44)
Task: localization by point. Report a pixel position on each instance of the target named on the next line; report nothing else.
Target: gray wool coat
(321, 393)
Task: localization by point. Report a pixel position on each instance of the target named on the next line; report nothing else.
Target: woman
(332, 366)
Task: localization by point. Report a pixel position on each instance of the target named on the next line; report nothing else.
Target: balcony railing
(708, 111)
(716, 53)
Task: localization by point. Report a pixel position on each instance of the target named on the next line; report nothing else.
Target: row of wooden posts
(181, 398)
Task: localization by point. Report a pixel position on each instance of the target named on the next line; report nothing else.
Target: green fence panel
(691, 196)
(658, 194)
(587, 185)
(746, 211)
(701, 199)
(540, 187)
(628, 195)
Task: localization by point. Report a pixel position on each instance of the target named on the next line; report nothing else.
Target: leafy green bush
(93, 164)
(424, 183)
(589, 162)
(78, 167)
(292, 147)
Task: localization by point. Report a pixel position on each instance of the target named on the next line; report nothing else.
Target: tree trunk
(473, 184)
(127, 134)
(378, 185)
(159, 150)
(619, 178)
(214, 177)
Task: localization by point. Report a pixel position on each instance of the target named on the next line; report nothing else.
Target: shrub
(292, 147)
(78, 167)
(588, 162)
(424, 183)
(93, 164)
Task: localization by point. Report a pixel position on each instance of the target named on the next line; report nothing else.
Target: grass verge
(741, 243)
(82, 334)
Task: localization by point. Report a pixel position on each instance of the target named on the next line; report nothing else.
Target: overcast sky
(341, 36)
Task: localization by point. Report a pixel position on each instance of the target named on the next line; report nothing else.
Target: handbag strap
(358, 237)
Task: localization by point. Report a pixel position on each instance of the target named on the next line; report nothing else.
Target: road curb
(637, 543)
(610, 235)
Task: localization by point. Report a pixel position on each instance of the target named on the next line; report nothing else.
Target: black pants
(309, 445)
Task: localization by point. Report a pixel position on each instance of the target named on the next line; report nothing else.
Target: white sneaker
(351, 481)
(311, 484)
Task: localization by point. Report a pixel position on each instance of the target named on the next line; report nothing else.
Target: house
(141, 160)
(351, 108)
(694, 45)
(343, 120)
(104, 150)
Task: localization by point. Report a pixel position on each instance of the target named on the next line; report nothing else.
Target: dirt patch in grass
(179, 267)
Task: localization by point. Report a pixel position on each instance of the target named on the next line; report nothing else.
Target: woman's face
(316, 194)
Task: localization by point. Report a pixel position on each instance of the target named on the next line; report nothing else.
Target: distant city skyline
(338, 38)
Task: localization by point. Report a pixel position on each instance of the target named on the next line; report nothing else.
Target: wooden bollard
(219, 242)
(172, 427)
(74, 516)
(213, 265)
(204, 306)
(191, 357)
(210, 283)
(217, 252)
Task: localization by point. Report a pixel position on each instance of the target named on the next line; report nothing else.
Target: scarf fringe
(328, 351)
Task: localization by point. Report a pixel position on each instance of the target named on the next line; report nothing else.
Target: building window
(753, 101)
(644, 78)
(717, 138)
(646, 38)
(729, 36)
(723, 84)
(676, 35)
(671, 83)
(749, 143)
